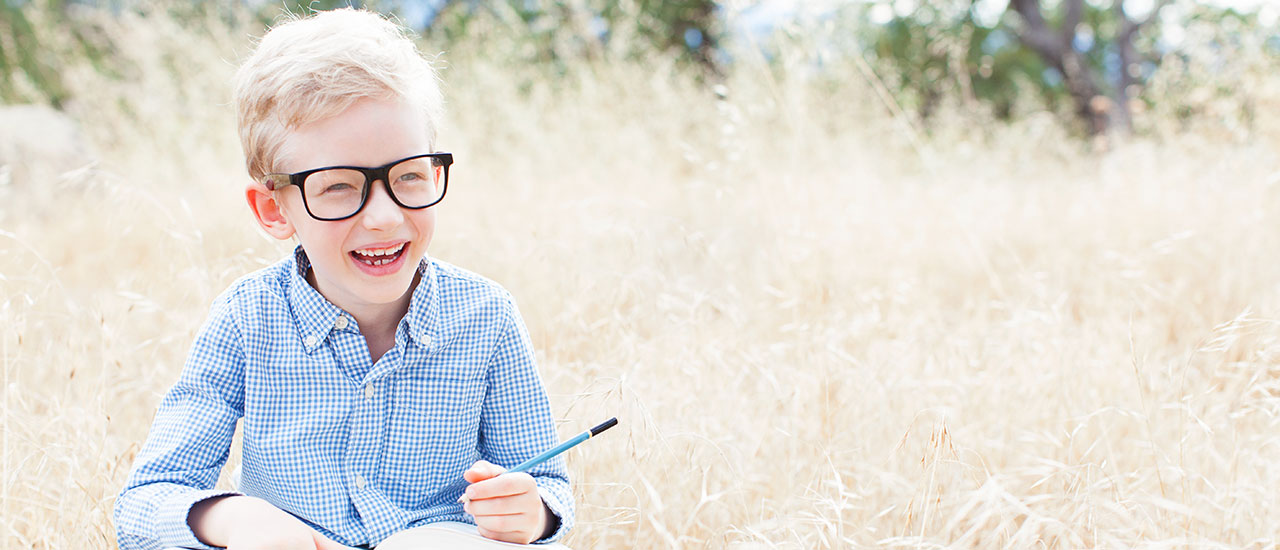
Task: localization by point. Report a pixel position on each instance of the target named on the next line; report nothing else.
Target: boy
(369, 377)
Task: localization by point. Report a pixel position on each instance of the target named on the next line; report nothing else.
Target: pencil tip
(604, 426)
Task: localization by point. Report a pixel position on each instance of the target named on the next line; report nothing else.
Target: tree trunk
(1055, 47)
(1101, 114)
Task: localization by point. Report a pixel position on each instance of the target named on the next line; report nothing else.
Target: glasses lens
(417, 182)
(334, 193)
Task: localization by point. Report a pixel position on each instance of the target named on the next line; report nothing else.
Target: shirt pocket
(435, 423)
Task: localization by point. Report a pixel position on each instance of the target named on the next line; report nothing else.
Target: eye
(338, 188)
(411, 176)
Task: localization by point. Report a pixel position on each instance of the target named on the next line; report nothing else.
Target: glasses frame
(274, 182)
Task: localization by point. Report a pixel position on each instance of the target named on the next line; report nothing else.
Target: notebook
(452, 535)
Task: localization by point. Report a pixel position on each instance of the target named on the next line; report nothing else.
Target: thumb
(482, 470)
(325, 543)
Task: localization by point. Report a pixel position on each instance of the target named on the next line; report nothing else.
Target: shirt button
(360, 482)
(341, 323)
(368, 390)
(311, 340)
(426, 340)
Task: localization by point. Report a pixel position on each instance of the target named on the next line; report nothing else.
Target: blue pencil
(552, 452)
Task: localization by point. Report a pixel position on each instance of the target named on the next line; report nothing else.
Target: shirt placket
(364, 447)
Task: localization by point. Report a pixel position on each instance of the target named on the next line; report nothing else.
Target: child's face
(370, 133)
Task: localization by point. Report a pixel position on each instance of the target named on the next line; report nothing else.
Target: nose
(380, 212)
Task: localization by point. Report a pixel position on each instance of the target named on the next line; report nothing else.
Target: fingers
(507, 508)
(517, 537)
(518, 527)
(501, 486)
(482, 470)
(500, 506)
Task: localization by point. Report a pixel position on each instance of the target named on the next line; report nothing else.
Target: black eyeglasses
(336, 193)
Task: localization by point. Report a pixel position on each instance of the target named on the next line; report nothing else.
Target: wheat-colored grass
(818, 328)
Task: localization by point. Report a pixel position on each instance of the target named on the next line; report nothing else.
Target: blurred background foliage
(1097, 65)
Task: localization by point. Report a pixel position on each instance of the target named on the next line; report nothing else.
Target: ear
(268, 211)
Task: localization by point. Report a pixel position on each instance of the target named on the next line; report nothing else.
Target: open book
(451, 535)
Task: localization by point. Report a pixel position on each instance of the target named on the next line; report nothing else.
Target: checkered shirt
(356, 449)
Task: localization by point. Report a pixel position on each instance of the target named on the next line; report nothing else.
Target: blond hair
(311, 68)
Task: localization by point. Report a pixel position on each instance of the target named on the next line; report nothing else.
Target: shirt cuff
(172, 529)
(561, 509)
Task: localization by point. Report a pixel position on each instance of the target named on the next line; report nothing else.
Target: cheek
(426, 222)
(292, 209)
(316, 236)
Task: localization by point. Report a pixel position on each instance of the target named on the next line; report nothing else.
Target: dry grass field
(818, 327)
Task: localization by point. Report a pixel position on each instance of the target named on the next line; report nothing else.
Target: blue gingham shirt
(356, 449)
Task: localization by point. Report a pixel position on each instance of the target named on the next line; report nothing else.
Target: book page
(452, 535)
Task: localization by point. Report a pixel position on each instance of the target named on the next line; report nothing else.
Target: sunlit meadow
(819, 325)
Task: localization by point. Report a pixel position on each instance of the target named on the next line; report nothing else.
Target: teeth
(371, 252)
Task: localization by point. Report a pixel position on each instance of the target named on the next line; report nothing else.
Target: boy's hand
(248, 523)
(507, 507)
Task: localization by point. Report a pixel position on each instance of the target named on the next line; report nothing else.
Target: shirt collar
(317, 317)
(424, 305)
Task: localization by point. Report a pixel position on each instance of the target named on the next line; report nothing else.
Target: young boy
(370, 378)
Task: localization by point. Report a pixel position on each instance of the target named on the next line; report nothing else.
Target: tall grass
(819, 326)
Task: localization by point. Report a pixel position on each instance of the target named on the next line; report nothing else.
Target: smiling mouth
(378, 256)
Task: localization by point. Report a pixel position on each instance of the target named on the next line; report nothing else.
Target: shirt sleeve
(516, 421)
(189, 441)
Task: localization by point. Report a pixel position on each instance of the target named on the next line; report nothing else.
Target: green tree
(1094, 58)
(34, 37)
(688, 29)
(1101, 97)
